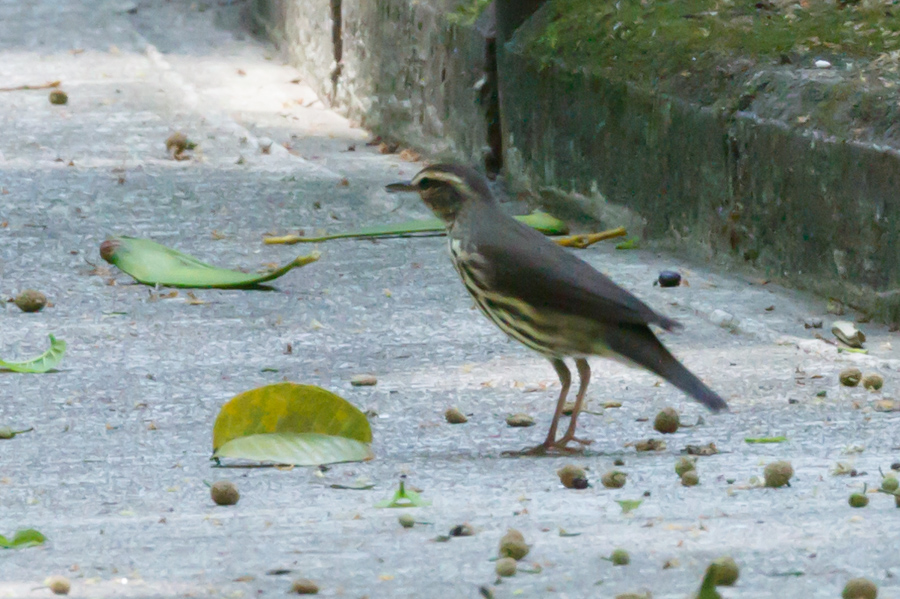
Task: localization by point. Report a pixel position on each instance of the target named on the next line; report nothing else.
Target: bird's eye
(427, 183)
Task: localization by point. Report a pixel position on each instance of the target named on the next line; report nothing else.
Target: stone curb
(801, 207)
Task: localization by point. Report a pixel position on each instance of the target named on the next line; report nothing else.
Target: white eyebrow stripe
(446, 177)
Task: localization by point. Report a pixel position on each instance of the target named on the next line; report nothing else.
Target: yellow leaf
(289, 408)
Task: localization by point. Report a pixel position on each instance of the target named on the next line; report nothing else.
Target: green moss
(742, 55)
(664, 38)
(468, 12)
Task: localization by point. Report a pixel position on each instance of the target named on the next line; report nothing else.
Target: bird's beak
(400, 187)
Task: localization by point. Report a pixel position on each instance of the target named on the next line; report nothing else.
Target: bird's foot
(556, 448)
(567, 439)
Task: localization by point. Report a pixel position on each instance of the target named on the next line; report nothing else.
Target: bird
(545, 297)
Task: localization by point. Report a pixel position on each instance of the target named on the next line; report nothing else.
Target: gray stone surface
(114, 471)
(405, 72)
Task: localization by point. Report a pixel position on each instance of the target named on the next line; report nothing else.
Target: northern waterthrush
(543, 296)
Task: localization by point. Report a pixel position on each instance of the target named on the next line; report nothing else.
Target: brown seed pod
(873, 381)
(684, 464)
(860, 588)
(304, 586)
(223, 492)
(690, 478)
(454, 416)
(570, 476)
(58, 585)
(31, 300)
(667, 421)
(850, 377)
(506, 566)
(727, 571)
(513, 545)
(778, 474)
(614, 479)
(59, 97)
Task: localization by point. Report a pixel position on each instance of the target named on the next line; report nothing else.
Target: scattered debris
(223, 492)
(506, 566)
(669, 278)
(650, 445)
(813, 323)
(177, 144)
(847, 333)
(690, 478)
(586, 240)
(59, 97)
(723, 319)
(304, 586)
(778, 474)
(619, 557)
(454, 416)
(151, 263)
(685, 464)
(513, 545)
(873, 381)
(708, 449)
(31, 300)
(403, 497)
(19, 88)
(859, 499)
(45, 362)
(614, 479)
(850, 377)
(363, 380)
(462, 530)
(519, 420)
(8, 433)
(629, 505)
(727, 571)
(859, 588)
(573, 477)
(58, 585)
(667, 421)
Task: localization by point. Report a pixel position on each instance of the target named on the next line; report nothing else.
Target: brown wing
(518, 261)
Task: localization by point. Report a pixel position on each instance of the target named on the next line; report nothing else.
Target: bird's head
(446, 189)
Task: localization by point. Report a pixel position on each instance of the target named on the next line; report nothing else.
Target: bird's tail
(639, 345)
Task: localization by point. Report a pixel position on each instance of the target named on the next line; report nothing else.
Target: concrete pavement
(114, 472)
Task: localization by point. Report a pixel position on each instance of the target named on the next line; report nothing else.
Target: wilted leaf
(27, 537)
(151, 263)
(765, 439)
(289, 423)
(541, 221)
(43, 363)
(299, 449)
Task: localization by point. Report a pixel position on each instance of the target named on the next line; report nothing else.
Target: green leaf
(43, 363)
(765, 439)
(298, 449)
(151, 263)
(708, 586)
(289, 423)
(629, 505)
(630, 244)
(403, 498)
(27, 537)
(543, 222)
